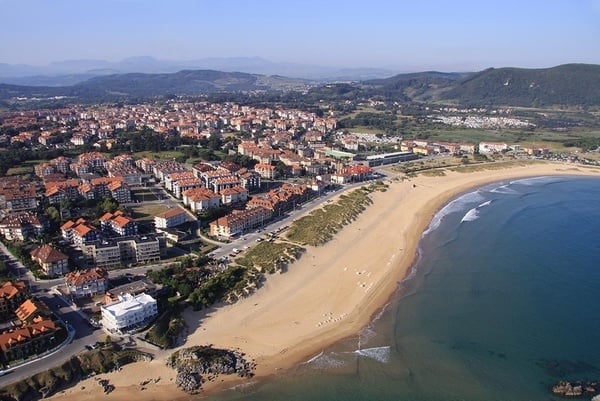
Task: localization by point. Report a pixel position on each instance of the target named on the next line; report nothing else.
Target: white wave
(453, 206)
(314, 358)
(471, 215)
(505, 190)
(486, 203)
(380, 354)
(325, 361)
(535, 180)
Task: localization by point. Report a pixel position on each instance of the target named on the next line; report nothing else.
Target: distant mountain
(576, 84)
(53, 74)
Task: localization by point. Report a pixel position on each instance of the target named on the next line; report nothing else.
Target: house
(88, 282)
(170, 218)
(11, 296)
(52, 261)
(128, 313)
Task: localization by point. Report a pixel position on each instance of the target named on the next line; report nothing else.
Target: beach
(331, 293)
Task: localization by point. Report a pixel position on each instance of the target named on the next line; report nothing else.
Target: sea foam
(453, 206)
(471, 215)
(380, 354)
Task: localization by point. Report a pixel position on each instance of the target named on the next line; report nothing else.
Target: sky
(457, 35)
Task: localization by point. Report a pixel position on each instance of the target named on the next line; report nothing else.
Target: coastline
(331, 293)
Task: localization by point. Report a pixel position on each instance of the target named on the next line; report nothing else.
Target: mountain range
(71, 72)
(569, 84)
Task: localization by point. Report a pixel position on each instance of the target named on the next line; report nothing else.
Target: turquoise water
(504, 301)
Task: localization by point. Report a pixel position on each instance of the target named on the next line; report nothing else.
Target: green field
(147, 211)
(164, 155)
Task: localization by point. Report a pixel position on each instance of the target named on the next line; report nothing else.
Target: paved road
(248, 239)
(84, 333)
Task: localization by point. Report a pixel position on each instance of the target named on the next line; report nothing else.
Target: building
(32, 309)
(390, 158)
(171, 218)
(239, 221)
(492, 147)
(142, 286)
(88, 282)
(22, 226)
(129, 313)
(237, 194)
(120, 251)
(11, 296)
(79, 232)
(52, 261)
(201, 199)
(265, 170)
(31, 339)
(17, 194)
(118, 224)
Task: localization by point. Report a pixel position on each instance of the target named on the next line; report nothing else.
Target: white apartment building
(128, 313)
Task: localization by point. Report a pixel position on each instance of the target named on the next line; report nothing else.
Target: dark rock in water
(194, 362)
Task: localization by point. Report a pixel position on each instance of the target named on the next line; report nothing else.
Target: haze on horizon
(462, 35)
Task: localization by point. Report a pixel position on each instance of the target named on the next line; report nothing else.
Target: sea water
(504, 301)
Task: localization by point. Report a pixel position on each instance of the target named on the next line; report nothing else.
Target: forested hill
(569, 84)
(136, 85)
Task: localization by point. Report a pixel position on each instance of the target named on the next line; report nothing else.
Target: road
(84, 333)
(246, 240)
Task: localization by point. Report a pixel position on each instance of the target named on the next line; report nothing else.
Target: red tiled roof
(47, 254)
(9, 290)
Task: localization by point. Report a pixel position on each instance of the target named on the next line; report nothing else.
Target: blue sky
(407, 35)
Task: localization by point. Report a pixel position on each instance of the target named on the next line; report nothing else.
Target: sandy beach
(331, 293)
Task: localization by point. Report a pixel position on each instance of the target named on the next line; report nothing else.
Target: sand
(331, 293)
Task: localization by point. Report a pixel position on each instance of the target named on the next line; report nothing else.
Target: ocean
(503, 302)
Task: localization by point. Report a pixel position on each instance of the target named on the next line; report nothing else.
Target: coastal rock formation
(575, 389)
(197, 364)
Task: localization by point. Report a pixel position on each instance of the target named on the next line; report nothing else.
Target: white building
(171, 218)
(128, 313)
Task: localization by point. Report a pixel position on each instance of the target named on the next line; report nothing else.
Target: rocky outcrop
(197, 364)
(575, 389)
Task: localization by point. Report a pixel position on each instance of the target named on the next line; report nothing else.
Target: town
(103, 197)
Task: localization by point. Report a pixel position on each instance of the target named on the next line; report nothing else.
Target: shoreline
(330, 294)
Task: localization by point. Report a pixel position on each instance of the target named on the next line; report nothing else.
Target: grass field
(164, 155)
(147, 211)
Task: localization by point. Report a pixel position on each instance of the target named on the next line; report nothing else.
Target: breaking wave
(453, 206)
(471, 215)
(380, 354)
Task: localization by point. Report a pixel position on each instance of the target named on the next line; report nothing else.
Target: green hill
(569, 84)
(137, 86)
